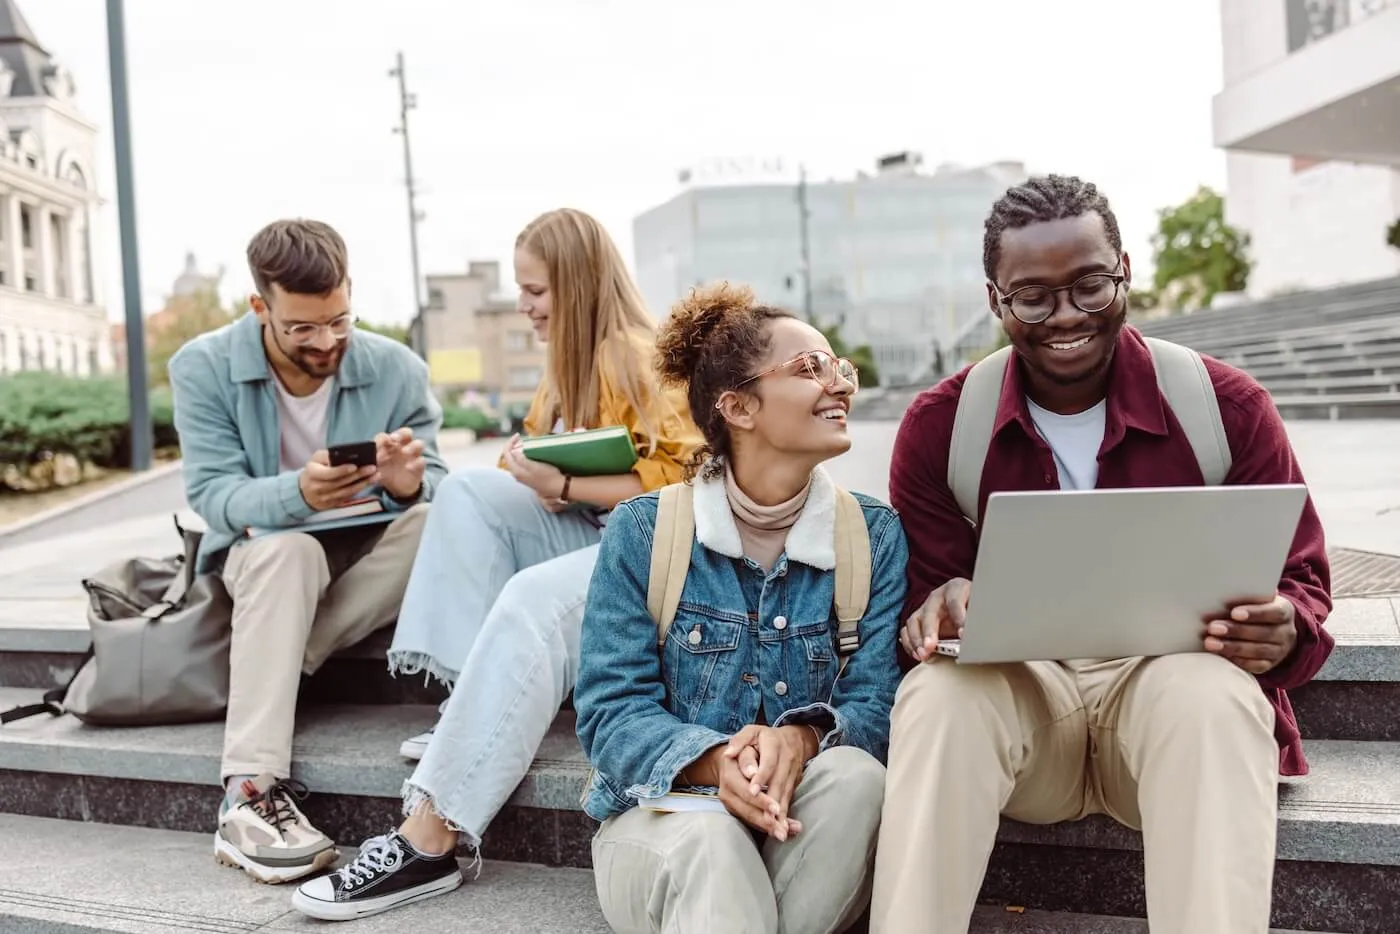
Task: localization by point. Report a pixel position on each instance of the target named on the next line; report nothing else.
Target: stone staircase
(108, 829)
(1338, 848)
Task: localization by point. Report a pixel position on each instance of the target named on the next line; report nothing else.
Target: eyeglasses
(306, 332)
(820, 366)
(1091, 294)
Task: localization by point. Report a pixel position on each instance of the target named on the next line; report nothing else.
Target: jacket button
(780, 622)
(694, 637)
(780, 688)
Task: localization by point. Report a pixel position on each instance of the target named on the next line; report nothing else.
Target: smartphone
(360, 453)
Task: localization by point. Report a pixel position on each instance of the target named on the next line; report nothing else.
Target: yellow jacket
(677, 437)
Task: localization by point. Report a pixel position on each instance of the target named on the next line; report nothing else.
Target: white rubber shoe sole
(228, 854)
(364, 907)
(414, 747)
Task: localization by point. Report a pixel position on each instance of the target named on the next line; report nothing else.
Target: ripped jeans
(494, 606)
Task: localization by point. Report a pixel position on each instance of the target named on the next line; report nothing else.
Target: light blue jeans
(494, 606)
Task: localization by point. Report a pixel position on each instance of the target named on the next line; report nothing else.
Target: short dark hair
(1039, 199)
(713, 340)
(303, 257)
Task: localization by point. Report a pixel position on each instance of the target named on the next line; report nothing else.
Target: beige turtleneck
(763, 530)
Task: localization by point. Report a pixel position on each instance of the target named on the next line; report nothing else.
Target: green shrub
(454, 416)
(43, 414)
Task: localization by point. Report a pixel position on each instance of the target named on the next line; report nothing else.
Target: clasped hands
(398, 468)
(757, 772)
(1254, 635)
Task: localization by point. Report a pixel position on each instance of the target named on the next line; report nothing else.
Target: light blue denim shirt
(230, 440)
(743, 641)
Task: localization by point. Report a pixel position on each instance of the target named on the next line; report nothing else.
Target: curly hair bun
(696, 323)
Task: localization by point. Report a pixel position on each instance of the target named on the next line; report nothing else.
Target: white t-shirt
(1075, 441)
(303, 421)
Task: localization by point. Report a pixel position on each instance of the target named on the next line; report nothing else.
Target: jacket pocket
(697, 646)
(820, 651)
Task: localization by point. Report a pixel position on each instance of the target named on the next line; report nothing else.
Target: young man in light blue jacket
(258, 403)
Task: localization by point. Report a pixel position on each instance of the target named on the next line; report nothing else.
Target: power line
(407, 102)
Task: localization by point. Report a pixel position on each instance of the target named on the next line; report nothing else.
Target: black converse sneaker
(387, 873)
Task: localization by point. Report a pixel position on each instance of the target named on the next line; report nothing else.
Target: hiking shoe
(265, 834)
(414, 747)
(387, 873)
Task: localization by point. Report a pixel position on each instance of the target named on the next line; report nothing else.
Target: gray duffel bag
(160, 645)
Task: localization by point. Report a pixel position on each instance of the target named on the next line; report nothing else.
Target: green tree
(1197, 254)
(184, 318)
(1392, 236)
(396, 332)
(863, 357)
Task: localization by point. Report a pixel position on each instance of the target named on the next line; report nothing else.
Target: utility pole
(407, 102)
(137, 391)
(802, 218)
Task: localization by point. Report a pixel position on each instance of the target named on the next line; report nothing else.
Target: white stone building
(1310, 120)
(51, 311)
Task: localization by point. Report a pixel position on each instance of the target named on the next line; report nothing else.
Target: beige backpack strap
(972, 429)
(670, 555)
(852, 572)
(1183, 380)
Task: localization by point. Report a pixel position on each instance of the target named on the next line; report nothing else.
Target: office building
(476, 343)
(896, 254)
(1310, 120)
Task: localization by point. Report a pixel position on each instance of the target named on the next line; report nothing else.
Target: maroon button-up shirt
(1143, 446)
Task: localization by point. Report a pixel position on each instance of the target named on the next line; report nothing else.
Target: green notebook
(596, 453)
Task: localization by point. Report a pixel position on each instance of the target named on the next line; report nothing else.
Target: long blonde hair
(596, 321)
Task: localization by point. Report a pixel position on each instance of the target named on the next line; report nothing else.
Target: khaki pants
(704, 874)
(296, 599)
(1181, 747)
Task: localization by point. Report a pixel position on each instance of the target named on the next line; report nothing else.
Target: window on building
(26, 227)
(524, 377)
(518, 341)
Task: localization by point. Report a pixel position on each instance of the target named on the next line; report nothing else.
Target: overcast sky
(249, 110)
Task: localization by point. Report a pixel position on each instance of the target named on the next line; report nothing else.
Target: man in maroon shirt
(1184, 747)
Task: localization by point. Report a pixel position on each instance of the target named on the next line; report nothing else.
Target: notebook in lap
(1120, 573)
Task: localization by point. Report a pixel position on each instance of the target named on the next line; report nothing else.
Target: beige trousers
(1181, 747)
(705, 874)
(296, 599)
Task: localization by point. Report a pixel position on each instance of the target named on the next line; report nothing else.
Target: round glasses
(306, 332)
(1091, 294)
(820, 366)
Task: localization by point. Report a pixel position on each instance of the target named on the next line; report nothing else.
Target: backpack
(670, 563)
(160, 646)
(1181, 377)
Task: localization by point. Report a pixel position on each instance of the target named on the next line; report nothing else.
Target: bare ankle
(427, 832)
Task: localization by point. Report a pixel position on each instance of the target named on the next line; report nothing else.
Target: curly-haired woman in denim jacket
(747, 696)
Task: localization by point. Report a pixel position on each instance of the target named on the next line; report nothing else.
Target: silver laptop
(1118, 573)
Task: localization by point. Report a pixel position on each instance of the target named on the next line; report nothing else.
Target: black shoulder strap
(52, 703)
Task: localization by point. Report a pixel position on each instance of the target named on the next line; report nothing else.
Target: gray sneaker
(265, 834)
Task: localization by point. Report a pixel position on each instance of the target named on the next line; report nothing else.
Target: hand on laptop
(941, 617)
(1255, 636)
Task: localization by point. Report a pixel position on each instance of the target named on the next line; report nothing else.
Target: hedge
(43, 414)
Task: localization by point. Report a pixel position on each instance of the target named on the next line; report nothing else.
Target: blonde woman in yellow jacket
(494, 605)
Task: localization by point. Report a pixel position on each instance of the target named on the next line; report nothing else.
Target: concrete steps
(1338, 847)
(90, 878)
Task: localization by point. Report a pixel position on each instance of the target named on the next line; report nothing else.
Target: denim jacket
(743, 642)
(226, 416)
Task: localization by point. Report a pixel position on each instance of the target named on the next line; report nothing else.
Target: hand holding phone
(325, 484)
(359, 453)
